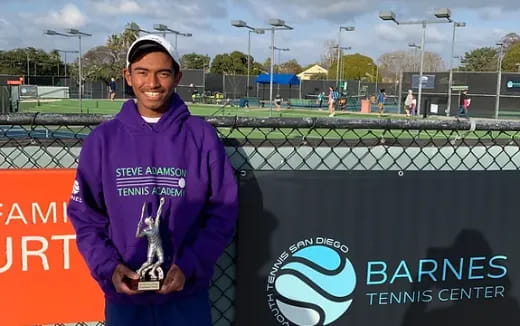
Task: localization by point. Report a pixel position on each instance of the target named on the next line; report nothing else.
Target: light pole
(415, 46)
(499, 77)
(65, 58)
(347, 29)
(74, 33)
(340, 63)
(241, 23)
(450, 81)
(277, 24)
(165, 29)
(377, 75)
(279, 54)
(28, 68)
(439, 13)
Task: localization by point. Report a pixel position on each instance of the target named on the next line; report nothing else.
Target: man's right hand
(118, 279)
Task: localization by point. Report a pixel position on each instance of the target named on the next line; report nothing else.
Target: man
(154, 149)
(381, 98)
(112, 86)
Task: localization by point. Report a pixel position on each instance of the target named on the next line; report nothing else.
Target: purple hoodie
(125, 162)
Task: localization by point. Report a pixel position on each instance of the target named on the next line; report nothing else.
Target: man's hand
(118, 277)
(174, 281)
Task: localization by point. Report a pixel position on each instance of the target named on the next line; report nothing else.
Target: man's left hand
(174, 280)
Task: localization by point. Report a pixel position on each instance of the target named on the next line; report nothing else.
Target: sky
(22, 24)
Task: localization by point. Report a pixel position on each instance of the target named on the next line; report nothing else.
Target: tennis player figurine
(150, 272)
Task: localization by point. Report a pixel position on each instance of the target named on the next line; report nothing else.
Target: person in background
(112, 87)
(278, 102)
(321, 96)
(464, 102)
(408, 102)
(381, 98)
(332, 101)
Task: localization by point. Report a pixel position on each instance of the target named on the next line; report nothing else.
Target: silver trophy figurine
(150, 272)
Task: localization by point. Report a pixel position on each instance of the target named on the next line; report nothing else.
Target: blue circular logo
(510, 84)
(314, 284)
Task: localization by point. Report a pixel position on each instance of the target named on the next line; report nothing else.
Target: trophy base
(148, 285)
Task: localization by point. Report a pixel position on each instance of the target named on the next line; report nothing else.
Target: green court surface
(108, 107)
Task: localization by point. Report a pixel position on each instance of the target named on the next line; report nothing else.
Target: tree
(194, 61)
(107, 61)
(310, 65)
(320, 76)
(99, 63)
(290, 67)
(355, 67)
(481, 59)
(231, 63)
(266, 66)
(16, 62)
(329, 54)
(511, 60)
(391, 64)
(509, 40)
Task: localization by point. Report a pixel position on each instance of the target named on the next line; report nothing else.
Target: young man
(112, 87)
(154, 158)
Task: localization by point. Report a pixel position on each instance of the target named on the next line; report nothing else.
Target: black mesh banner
(378, 248)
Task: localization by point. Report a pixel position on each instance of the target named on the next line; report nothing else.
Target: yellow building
(312, 71)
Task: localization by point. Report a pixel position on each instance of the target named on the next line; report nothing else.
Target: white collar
(151, 120)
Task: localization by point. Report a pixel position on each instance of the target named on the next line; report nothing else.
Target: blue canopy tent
(278, 79)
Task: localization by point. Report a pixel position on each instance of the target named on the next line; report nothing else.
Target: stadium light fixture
(443, 13)
(242, 24)
(439, 13)
(346, 48)
(279, 54)
(339, 47)
(450, 79)
(239, 23)
(278, 24)
(65, 59)
(165, 29)
(71, 32)
(387, 15)
(415, 46)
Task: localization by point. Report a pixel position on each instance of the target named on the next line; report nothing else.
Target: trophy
(150, 273)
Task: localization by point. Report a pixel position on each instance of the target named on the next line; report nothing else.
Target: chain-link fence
(54, 141)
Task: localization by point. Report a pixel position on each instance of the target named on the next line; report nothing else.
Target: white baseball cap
(150, 41)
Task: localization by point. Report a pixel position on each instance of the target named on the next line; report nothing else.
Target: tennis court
(109, 107)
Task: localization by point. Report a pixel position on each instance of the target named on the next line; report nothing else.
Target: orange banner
(43, 278)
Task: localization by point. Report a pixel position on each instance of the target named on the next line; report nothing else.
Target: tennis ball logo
(314, 284)
(75, 187)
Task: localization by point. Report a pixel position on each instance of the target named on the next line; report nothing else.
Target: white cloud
(120, 7)
(67, 17)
